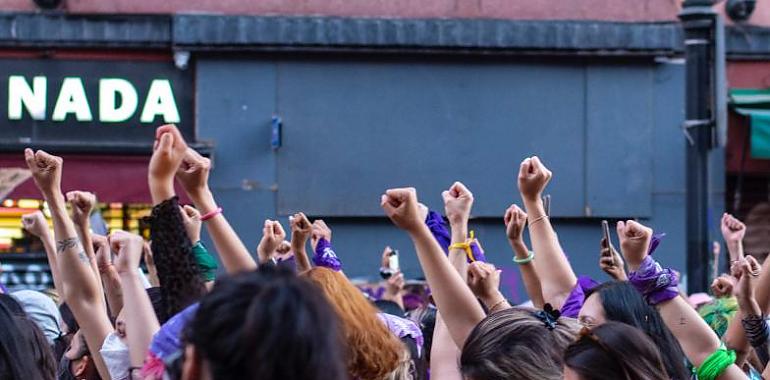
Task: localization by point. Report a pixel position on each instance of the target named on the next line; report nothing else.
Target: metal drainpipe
(699, 25)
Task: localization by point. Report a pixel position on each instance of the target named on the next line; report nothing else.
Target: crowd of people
(294, 314)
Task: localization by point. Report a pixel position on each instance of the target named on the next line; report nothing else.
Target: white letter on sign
(108, 113)
(160, 101)
(32, 98)
(72, 99)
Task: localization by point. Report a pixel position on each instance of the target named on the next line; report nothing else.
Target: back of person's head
(614, 351)
(42, 310)
(516, 344)
(13, 305)
(267, 324)
(373, 351)
(425, 318)
(623, 303)
(24, 352)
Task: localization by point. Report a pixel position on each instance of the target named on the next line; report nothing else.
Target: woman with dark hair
(24, 352)
(266, 324)
(620, 302)
(613, 351)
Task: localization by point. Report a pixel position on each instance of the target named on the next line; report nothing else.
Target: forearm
(50, 252)
(300, 256)
(452, 295)
(735, 337)
(735, 250)
(558, 279)
(112, 290)
(84, 233)
(529, 274)
(141, 322)
(235, 257)
(457, 256)
(160, 189)
(444, 354)
(697, 339)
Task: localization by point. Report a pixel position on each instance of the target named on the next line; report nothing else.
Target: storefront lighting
(8, 203)
(29, 203)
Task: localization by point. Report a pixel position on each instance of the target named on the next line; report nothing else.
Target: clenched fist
(272, 237)
(36, 224)
(191, 218)
(533, 178)
(401, 206)
(128, 249)
(320, 230)
(483, 279)
(82, 203)
(634, 242)
(733, 229)
(301, 229)
(458, 201)
(46, 170)
(193, 172)
(170, 149)
(515, 219)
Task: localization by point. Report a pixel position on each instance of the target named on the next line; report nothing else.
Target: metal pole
(698, 23)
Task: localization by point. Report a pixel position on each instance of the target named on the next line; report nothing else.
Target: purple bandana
(577, 296)
(402, 327)
(438, 228)
(478, 253)
(168, 339)
(325, 257)
(287, 262)
(655, 242)
(657, 284)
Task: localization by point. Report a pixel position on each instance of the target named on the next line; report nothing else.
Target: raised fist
(634, 242)
(102, 251)
(301, 229)
(46, 170)
(193, 172)
(458, 201)
(483, 279)
(170, 149)
(723, 286)
(401, 206)
(36, 224)
(320, 230)
(191, 218)
(82, 203)
(750, 270)
(533, 178)
(733, 229)
(272, 237)
(515, 219)
(128, 250)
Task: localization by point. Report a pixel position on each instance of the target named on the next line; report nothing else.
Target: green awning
(754, 104)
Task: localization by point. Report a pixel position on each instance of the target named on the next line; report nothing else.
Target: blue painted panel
(619, 140)
(354, 129)
(668, 148)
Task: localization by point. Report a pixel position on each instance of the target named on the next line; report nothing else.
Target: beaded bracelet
(525, 260)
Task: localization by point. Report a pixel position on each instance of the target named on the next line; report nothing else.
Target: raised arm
(109, 275)
(191, 218)
(515, 219)
(193, 174)
(81, 286)
(272, 237)
(141, 322)
(659, 287)
(444, 355)
(301, 229)
(82, 203)
(484, 282)
(36, 225)
(457, 304)
(733, 231)
(752, 321)
(181, 284)
(458, 201)
(735, 337)
(556, 275)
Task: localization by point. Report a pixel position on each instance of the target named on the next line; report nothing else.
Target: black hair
(425, 317)
(623, 303)
(69, 318)
(267, 324)
(615, 351)
(13, 305)
(24, 351)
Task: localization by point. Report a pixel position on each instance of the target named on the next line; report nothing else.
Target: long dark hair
(622, 303)
(24, 352)
(267, 324)
(615, 351)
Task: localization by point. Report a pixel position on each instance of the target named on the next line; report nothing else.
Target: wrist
(490, 300)
(519, 248)
(130, 273)
(203, 200)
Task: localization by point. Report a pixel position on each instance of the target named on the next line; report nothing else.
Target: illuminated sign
(91, 103)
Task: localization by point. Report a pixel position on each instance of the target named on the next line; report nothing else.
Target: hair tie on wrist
(716, 363)
(211, 214)
(525, 260)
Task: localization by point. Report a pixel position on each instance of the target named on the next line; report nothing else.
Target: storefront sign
(92, 103)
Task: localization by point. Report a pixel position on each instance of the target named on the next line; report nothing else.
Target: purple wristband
(655, 283)
(325, 257)
(437, 227)
(478, 253)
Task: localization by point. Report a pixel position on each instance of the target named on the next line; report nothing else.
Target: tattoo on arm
(69, 243)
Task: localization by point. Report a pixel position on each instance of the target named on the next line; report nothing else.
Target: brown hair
(615, 350)
(515, 344)
(373, 352)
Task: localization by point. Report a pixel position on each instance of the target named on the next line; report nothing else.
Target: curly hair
(373, 352)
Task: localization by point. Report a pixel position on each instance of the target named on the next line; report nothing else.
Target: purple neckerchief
(438, 228)
(168, 339)
(402, 328)
(287, 262)
(657, 284)
(577, 297)
(655, 242)
(412, 301)
(325, 257)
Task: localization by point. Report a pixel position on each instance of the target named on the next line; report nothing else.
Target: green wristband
(716, 364)
(525, 260)
(207, 264)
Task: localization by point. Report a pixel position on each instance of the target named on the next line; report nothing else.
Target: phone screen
(393, 261)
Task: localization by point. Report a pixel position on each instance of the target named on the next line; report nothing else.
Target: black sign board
(92, 105)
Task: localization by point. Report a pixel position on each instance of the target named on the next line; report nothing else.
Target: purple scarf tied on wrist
(657, 284)
(325, 257)
(437, 227)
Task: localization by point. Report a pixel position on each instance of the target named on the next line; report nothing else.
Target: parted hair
(515, 344)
